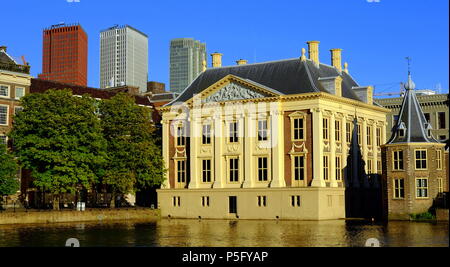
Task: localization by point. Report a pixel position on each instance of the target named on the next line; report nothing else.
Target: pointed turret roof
(412, 126)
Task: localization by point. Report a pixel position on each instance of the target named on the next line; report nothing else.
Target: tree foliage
(58, 137)
(134, 159)
(8, 171)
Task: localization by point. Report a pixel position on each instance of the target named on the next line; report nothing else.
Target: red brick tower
(64, 57)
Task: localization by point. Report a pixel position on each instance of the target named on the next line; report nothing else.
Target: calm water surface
(222, 233)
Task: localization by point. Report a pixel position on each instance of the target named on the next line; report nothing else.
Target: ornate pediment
(233, 91)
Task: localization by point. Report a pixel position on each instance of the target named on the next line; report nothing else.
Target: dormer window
(401, 130)
(428, 128)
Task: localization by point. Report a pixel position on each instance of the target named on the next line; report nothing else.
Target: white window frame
(9, 91)
(7, 115)
(15, 92)
(427, 188)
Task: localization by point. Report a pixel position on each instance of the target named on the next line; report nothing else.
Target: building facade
(414, 162)
(187, 60)
(123, 57)
(14, 84)
(434, 107)
(65, 54)
(269, 140)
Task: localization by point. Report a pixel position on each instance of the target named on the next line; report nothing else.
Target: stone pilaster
(318, 180)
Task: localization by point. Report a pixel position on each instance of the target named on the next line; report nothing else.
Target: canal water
(223, 233)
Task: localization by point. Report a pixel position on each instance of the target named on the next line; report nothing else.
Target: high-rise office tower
(187, 60)
(123, 57)
(65, 54)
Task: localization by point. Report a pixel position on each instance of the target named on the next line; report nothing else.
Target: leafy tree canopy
(58, 137)
(8, 171)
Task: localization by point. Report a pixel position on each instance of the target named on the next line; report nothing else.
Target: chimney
(216, 60)
(241, 62)
(3, 48)
(313, 51)
(336, 58)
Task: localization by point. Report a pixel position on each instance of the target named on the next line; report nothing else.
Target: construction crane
(24, 61)
(392, 92)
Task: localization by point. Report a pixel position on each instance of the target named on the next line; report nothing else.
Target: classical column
(277, 147)
(219, 142)
(194, 126)
(375, 148)
(165, 148)
(317, 148)
(249, 141)
(332, 144)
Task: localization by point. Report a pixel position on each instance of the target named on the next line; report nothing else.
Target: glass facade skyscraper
(186, 62)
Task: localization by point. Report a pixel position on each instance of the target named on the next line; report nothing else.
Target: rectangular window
(325, 128)
(262, 130)
(232, 200)
(17, 110)
(234, 132)
(421, 187)
(3, 139)
(262, 201)
(440, 185)
(359, 134)
(394, 120)
(176, 201)
(20, 92)
(206, 137)
(439, 159)
(421, 159)
(206, 170)
(369, 135)
(369, 166)
(181, 171)
(398, 160)
(180, 136)
(399, 188)
(325, 168)
(3, 115)
(262, 169)
(379, 170)
(299, 131)
(205, 201)
(442, 137)
(427, 117)
(378, 136)
(337, 131)
(348, 131)
(441, 120)
(4, 91)
(295, 201)
(299, 168)
(234, 170)
(338, 168)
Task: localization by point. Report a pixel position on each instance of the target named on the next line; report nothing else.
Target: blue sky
(375, 37)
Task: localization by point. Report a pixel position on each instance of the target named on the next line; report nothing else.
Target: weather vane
(409, 66)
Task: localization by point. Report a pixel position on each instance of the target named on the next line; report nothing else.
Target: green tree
(134, 158)
(8, 171)
(58, 137)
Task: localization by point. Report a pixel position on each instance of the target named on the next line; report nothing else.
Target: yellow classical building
(270, 140)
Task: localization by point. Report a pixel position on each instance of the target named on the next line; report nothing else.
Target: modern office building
(187, 60)
(123, 57)
(274, 140)
(414, 162)
(434, 107)
(65, 54)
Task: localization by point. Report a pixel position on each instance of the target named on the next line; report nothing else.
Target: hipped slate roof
(290, 76)
(5, 58)
(412, 120)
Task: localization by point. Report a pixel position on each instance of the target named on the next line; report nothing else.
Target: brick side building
(414, 162)
(65, 54)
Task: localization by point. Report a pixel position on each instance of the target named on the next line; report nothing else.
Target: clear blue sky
(375, 37)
